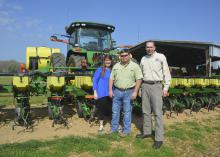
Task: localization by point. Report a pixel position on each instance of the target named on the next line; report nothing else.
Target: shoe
(120, 130)
(142, 136)
(101, 130)
(157, 144)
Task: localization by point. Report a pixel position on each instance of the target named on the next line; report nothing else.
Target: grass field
(5, 80)
(189, 138)
(8, 99)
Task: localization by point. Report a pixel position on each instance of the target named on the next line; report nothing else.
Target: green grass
(143, 148)
(83, 146)
(181, 139)
(191, 130)
(59, 148)
(38, 100)
(7, 99)
(6, 80)
(178, 133)
(199, 147)
(119, 152)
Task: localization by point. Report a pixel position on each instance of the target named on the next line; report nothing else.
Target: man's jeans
(121, 98)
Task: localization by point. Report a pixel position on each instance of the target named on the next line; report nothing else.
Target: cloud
(8, 16)
(14, 7)
(9, 6)
(5, 18)
(5, 21)
(13, 26)
(6, 13)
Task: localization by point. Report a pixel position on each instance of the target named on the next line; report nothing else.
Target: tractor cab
(88, 41)
(90, 36)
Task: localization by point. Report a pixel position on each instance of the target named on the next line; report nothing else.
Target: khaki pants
(152, 103)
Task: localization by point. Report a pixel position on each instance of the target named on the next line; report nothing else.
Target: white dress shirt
(155, 68)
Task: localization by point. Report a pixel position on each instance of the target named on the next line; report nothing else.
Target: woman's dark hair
(103, 65)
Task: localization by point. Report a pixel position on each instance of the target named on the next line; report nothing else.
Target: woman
(100, 88)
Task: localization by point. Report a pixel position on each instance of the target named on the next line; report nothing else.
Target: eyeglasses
(123, 55)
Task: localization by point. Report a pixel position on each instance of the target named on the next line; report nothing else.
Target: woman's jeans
(121, 99)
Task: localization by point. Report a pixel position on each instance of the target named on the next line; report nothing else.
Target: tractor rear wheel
(58, 60)
(75, 60)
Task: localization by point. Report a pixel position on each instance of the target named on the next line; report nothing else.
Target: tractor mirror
(53, 38)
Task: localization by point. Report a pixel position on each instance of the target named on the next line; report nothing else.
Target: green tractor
(87, 40)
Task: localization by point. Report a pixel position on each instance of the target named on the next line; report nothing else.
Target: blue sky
(30, 23)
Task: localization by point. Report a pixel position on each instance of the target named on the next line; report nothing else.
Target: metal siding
(215, 51)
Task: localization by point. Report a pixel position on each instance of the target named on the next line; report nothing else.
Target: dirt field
(43, 129)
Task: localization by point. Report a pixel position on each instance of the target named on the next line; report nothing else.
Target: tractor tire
(58, 60)
(79, 109)
(75, 60)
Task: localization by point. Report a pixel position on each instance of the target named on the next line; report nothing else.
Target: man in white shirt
(155, 71)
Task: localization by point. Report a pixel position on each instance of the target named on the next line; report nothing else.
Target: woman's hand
(95, 95)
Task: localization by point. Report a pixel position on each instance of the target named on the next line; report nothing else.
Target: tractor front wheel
(75, 60)
(58, 62)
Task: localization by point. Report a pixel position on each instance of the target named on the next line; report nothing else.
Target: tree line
(10, 66)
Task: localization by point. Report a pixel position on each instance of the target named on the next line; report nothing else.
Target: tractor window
(94, 39)
(72, 40)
